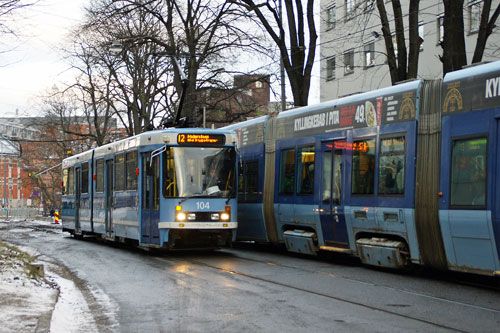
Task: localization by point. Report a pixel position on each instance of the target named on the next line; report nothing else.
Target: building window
(474, 10)
(395, 44)
(350, 8)
(440, 28)
(421, 35)
(349, 62)
(331, 19)
(369, 54)
(330, 69)
(468, 172)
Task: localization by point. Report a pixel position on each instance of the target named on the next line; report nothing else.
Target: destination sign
(201, 139)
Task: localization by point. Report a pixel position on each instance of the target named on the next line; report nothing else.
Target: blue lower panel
(251, 222)
(469, 240)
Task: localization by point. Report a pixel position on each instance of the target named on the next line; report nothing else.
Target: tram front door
(332, 215)
(150, 215)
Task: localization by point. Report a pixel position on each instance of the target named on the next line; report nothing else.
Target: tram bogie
(398, 176)
(171, 189)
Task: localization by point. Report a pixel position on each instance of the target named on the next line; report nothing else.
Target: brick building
(14, 190)
(249, 98)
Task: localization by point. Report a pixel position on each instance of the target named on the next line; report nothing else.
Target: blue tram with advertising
(172, 188)
(403, 175)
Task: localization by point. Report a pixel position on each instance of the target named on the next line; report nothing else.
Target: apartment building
(352, 50)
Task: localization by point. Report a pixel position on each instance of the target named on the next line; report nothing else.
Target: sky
(33, 62)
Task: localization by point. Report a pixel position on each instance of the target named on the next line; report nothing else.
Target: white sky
(33, 62)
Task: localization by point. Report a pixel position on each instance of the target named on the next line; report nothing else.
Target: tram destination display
(198, 139)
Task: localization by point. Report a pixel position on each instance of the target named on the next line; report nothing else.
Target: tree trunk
(454, 56)
(389, 46)
(402, 56)
(485, 30)
(415, 40)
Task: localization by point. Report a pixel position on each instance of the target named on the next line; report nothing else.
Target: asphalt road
(244, 289)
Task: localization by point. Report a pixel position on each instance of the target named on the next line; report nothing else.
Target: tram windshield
(199, 172)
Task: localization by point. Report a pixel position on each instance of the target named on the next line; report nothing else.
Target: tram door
(78, 174)
(109, 198)
(150, 199)
(331, 206)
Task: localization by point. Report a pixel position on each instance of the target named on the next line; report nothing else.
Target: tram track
(237, 257)
(383, 309)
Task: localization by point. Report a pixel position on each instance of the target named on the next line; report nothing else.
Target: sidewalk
(27, 298)
(33, 299)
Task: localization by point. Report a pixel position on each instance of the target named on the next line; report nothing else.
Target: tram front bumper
(198, 225)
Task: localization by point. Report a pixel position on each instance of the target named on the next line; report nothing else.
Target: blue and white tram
(408, 174)
(173, 188)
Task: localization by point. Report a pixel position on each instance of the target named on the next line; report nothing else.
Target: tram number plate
(203, 205)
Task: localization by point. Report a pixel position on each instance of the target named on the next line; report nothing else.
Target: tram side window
(131, 163)
(65, 182)
(468, 172)
(305, 180)
(169, 175)
(391, 170)
(85, 177)
(241, 183)
(287, 172)
(69, 181)
(120, 172)
(251, 181)
(99, 176)
(363, 166)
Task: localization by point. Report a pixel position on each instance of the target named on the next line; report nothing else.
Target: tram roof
(156, 137)
(351, 99)
(246, 123)
(473, 71)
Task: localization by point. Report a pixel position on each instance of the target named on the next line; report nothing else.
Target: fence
(24, 212)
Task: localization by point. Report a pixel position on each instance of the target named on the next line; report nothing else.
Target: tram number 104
(203, 205)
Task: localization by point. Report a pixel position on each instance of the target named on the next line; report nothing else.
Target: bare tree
(129, 84)
(8, 9)
(454, 49)
(42, 159)
(298, 47)
(202, 35)
(403, 65)
(486, 26)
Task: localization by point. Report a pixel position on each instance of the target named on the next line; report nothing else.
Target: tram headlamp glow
(224, 216)
(181, 216)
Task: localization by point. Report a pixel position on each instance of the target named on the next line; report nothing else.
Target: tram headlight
(214, 216)
(191, 216)
(225, 216)
(181, 216)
